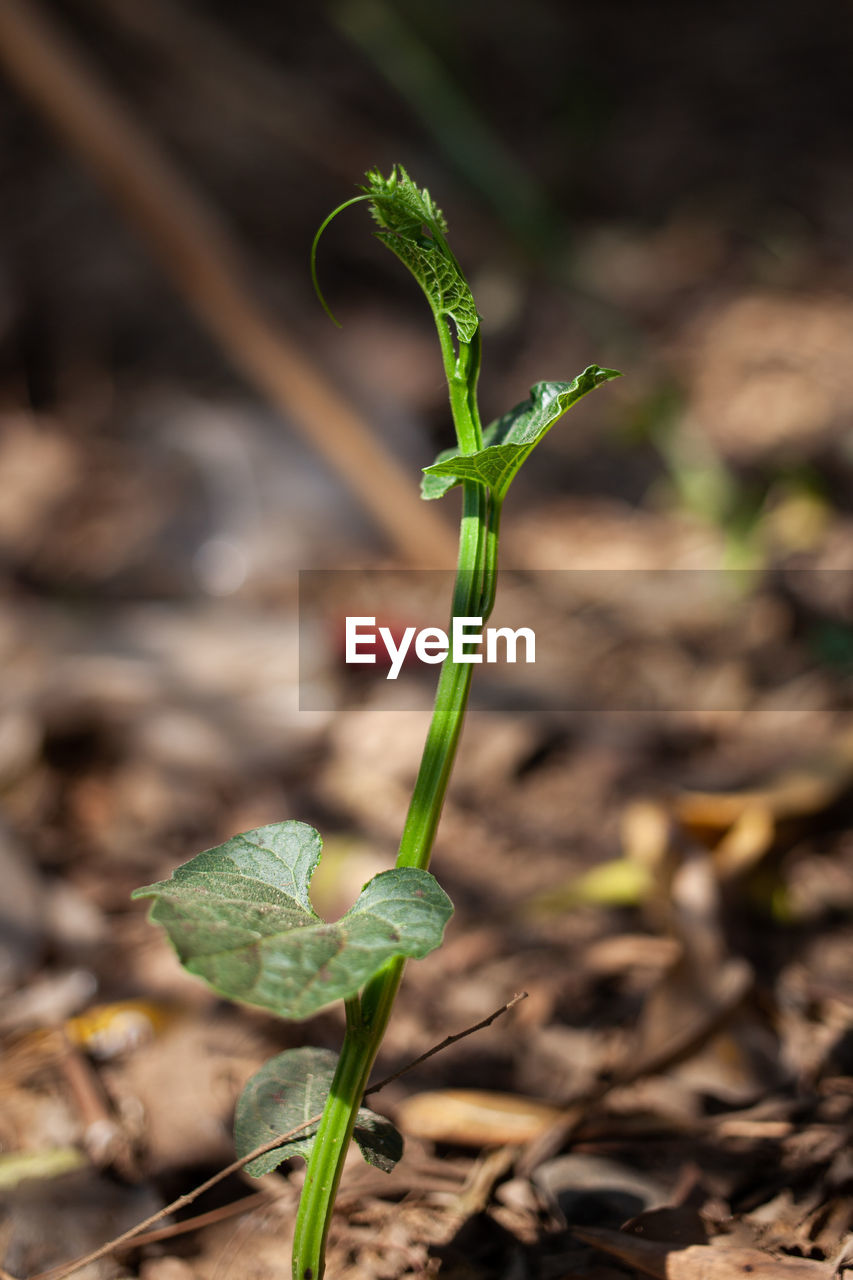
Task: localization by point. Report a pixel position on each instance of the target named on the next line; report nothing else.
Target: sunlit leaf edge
(511, 438)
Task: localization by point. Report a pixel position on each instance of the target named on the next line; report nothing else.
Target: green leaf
(240, 917)
(414, 228)
(509, 440)
(434, 483)
(399, 205)
(286, 1092)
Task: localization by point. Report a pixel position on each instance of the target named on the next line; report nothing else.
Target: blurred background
(664, 189)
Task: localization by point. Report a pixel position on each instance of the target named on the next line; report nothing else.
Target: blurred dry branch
(228, 76)
(200, 260)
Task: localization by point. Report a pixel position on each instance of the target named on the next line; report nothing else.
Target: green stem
(462, 372)
(451, 695)
(367, 1020)
(330, 1149)
(490, 569)
(368, 1017)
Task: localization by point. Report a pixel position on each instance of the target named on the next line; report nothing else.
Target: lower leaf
(286, 1092)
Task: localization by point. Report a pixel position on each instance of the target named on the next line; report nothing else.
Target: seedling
(240, 915)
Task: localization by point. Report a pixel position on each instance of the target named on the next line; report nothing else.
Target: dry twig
(244, 1205)
(135, 1233)
(200, 260)
(68, 1269)
(449, 1040)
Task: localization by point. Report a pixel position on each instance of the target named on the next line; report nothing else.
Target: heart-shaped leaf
(240, 917)
(508, 441)
(286, 1092)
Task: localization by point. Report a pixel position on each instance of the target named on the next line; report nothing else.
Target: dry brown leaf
(675, 1224)
(645, 832)
(475, 1118)
(614, 954)
(745, 843)
(701, 1262)
(793, 793)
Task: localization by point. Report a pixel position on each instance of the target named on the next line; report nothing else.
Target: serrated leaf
(240, 917)
(413, 227)
(287, 1091)
(399, 205)
(446, 289)
(508, 441)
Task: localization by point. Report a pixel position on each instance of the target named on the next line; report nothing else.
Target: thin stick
(199, 258)
(59, 1273)
(449, 1040)
(243, 1205)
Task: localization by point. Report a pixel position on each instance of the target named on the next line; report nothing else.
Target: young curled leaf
(413, 227)
(286, 1092)
(240, 917)
(398, 205)
(508, 441)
